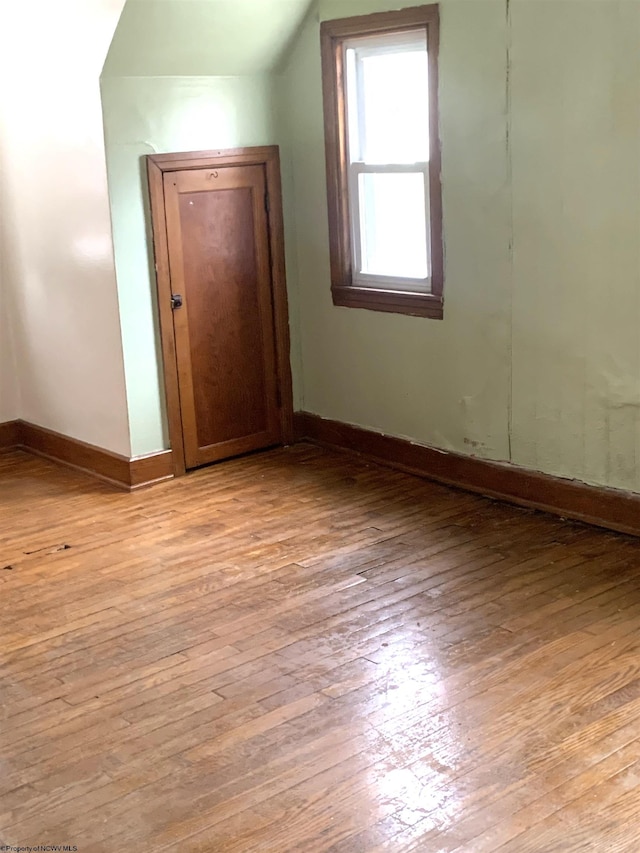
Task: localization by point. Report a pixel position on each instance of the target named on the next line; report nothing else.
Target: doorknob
(176, 301)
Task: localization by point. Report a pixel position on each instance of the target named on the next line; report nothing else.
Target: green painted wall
(198, 38)
(538, 358)
(576, 201)
(179, 76)
(145, 115)
(441, 383)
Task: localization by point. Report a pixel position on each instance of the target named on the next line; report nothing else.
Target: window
(383, 161)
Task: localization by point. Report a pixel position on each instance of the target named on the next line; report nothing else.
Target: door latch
(176, 301)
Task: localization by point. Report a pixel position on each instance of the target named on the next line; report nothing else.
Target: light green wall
(180, 76)
(145, 115)
(576, 282)
(537, 359)
(188, 38)
(440, 383)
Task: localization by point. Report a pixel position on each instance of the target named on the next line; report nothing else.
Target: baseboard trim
(109, 467)
(9, 435)
(151, 469)
(112, 468)
(613, 509)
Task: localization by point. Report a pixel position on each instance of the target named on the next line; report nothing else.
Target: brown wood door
(219, 259)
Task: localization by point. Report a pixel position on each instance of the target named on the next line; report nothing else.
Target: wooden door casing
(245, 179)
(217, 233)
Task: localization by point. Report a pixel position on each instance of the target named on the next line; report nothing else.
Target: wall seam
(509, 159)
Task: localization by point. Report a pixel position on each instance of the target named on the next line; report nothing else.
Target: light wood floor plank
(298, 650)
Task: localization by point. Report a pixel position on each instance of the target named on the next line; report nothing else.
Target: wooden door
(220, 269)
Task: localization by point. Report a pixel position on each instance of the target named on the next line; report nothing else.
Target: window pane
(393, 106)
(393, 224)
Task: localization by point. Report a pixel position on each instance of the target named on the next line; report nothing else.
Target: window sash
(354, 84)
(384, 282)
(397, 42)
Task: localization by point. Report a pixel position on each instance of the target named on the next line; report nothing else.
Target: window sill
(394, 302)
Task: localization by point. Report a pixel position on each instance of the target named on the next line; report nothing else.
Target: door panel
(218, 242)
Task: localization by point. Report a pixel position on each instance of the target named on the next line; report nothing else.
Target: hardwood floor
(297, 651)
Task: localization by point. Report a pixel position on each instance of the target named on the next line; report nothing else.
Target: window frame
(346, 290)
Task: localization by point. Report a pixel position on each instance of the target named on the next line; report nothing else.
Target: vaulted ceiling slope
(185, 38)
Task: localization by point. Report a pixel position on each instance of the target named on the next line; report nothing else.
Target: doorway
(219, 253)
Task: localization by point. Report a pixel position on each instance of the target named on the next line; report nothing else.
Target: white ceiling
(157, 38)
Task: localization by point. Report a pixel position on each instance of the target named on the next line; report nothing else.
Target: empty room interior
(320, 426)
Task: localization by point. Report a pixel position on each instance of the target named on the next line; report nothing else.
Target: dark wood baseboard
(154, 468)
(120, 471)
(76, 454)
(614, 509)
(9, 435)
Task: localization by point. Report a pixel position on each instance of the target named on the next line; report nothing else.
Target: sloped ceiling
(174, 38)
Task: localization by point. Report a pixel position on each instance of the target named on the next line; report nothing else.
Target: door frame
(157, 165)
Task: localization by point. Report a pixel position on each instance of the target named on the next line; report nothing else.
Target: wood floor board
(493, 814)
(301, 650)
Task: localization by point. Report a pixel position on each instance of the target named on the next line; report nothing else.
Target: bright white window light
(393, 225)
(388, 124)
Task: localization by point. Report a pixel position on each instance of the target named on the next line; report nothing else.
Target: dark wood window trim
(333, 34)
